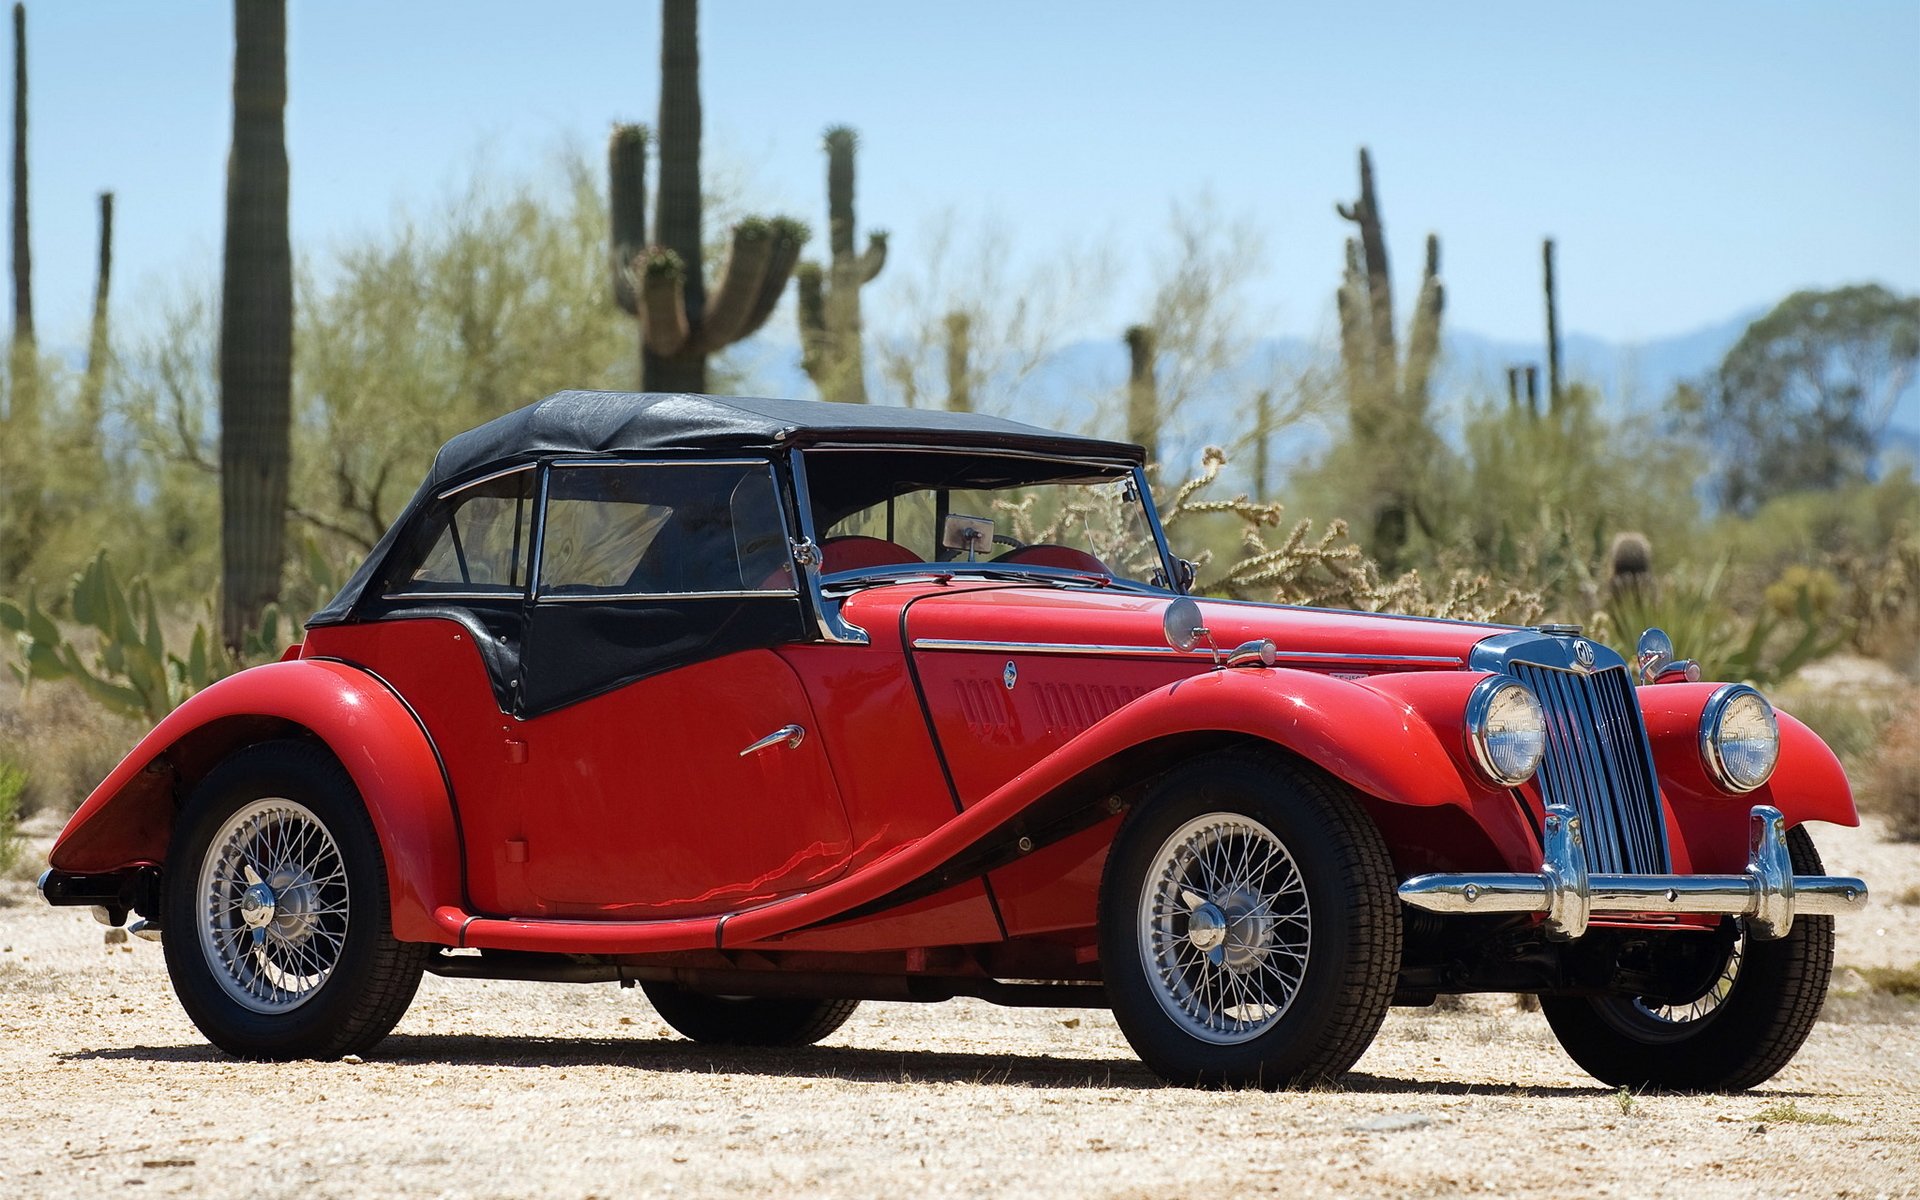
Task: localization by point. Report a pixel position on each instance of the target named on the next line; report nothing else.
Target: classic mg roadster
(770, 707)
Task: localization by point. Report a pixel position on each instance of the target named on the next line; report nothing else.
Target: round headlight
(1506, 730)
(1739, 738)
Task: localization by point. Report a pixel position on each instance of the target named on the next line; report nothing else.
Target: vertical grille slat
(1596, 763)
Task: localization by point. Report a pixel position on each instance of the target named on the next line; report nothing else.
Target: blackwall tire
(1249, 928)
(1758, 1017)
(277, 934)
(747, 1020)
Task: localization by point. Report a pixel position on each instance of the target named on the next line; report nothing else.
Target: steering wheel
(1001, 539)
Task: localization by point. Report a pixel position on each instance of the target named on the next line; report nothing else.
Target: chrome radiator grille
(1597, 763)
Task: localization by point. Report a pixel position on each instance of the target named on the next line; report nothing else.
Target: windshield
(1041, 515)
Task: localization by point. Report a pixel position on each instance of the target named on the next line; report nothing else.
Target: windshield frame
(804, 459)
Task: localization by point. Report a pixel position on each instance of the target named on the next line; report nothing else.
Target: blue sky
(1693, 160)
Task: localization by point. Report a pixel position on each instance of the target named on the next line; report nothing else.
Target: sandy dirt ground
(493, 1089)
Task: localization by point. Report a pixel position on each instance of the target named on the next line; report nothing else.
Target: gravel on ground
(507, 1089)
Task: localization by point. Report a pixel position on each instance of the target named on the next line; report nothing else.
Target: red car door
(673, 765)
(646, 801)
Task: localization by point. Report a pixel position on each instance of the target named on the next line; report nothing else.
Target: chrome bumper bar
(1769, 895)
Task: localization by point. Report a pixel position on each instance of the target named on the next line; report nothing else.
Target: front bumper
(1769, 895)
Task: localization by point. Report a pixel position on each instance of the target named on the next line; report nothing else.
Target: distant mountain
(1080, 386)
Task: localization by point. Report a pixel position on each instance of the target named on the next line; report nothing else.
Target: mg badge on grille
(1583, 652)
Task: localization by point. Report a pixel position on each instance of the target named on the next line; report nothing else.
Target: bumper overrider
(1769, 895)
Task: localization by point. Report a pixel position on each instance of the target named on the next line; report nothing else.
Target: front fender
(1808, 784)
(128, 820)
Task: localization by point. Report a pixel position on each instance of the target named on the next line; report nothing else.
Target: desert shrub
(1890, 785)
(13, 782)
(1794, 625)
(63, 741)
(1267, 557)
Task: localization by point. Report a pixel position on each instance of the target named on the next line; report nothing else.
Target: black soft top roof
(587, 423)
(625, 422)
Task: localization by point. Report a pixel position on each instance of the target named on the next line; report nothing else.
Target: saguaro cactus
(959, 362)
(22, 251)
(1553, 328)
(664, 284)
(1143, 391)
(20, 470)
(93, 385)
(256, 324)
(830, 326)
(1386, 398)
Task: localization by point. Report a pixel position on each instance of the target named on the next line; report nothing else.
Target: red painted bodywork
(629, 823)
(128, 820)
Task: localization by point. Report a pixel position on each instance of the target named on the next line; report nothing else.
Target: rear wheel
(277, 932)
(1746, 1026)
(747, 1020)
(1249, 931)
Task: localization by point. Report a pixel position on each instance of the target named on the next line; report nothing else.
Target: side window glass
(660, 529)
(475, 540)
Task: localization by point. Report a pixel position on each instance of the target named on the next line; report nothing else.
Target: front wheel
(1249, 930)
(747, 1020)
(277, 933)
(1737, 1034)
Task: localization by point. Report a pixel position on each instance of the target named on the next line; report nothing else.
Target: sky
(1693, 161)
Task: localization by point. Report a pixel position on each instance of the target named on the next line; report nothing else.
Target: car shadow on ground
(851, 1064)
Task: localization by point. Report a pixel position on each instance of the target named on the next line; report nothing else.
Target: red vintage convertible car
(772, 706)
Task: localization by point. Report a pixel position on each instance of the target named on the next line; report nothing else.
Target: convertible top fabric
(624, 422)
(592, 423)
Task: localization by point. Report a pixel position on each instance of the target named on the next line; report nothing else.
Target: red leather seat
(852, 552)
(1049, 554)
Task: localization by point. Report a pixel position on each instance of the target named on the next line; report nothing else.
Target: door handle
(792, 735)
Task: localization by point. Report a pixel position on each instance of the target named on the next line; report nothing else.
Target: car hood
(1091, 620)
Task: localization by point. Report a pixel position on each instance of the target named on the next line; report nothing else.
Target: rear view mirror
(1183, 624)
(971, 534)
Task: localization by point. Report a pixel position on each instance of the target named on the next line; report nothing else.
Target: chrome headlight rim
(1480, 705)
(1712, 717)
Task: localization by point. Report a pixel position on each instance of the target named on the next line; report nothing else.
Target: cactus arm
(627, 204)
(740, 283)
(1423, 340)
(663, 297)
(811, 310)
(875, 257)
(789, 238)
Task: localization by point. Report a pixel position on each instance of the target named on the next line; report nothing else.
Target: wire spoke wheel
(1703, 1006)
(1225, 927)
(272, 905)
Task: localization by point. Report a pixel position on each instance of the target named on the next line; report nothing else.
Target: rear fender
(129, 819)
(1808, 784)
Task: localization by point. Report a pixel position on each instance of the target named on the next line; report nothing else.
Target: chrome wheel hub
(273, 905)
(257, 905)
(1225, 928)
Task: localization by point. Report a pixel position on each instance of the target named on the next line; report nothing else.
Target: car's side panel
(435, 663)
(1808, 784)
(128, 820)
(1313, 715)
(644, 802)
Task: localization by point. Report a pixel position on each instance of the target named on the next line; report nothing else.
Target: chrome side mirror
(1183, 625)
(1653, 655)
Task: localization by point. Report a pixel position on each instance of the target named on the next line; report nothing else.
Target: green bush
(13, 784)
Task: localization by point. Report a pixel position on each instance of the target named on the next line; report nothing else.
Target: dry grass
(64, 742)
(1890, 779)
(1789, 1112)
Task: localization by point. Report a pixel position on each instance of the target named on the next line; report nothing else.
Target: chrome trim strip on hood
(1168, 651)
